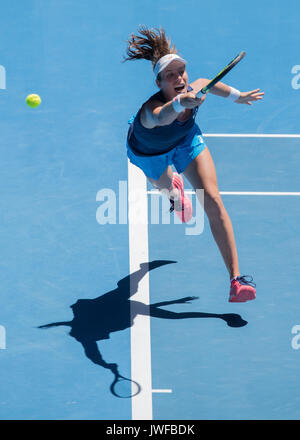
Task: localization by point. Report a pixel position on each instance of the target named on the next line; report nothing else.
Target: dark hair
(151, 44)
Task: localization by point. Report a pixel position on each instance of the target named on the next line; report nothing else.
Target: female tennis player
(164, 133)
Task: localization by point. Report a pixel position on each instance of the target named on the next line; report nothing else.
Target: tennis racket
(221, 74)
(123, 387)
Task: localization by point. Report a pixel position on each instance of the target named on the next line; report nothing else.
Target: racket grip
(200, 93)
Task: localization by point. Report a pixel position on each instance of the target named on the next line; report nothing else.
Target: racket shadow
(94, 319)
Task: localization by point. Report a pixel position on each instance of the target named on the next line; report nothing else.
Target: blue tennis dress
(152, 150)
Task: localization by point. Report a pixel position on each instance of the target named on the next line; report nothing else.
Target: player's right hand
(189, 100)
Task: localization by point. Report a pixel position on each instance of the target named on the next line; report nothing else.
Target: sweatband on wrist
(234, 94)
(176, 104)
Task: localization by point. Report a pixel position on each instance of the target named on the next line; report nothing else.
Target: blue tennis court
(85, 290)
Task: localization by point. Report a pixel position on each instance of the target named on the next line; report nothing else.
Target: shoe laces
(172, 206)
(242, 280)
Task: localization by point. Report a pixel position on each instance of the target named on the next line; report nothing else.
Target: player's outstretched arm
(224, 90)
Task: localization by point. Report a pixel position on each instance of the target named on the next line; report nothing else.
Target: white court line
(240, 193)
(252, 135)
(140, 336)
(162, 391)
(256, 193)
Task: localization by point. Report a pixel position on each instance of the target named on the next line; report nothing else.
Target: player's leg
(158, 170)
(165, 182)
(202, 175)
(173, 184)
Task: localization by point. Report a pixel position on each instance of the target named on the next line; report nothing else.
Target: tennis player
(164, 133)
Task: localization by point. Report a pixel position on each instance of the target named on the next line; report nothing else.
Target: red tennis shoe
(242, 290)
(183, 206)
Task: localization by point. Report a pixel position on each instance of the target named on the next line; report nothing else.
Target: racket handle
(200, 93)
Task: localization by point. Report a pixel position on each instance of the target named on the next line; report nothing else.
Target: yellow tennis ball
(33, 100)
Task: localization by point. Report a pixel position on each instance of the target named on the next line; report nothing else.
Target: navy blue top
(161, 139)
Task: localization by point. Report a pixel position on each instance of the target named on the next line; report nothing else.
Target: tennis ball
(33, 100)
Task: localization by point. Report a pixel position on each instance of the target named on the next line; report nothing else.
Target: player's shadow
(94, 319)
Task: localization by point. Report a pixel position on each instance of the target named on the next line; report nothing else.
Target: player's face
(174, 79)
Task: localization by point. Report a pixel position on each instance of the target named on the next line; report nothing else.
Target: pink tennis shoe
(242, 290)
(183, 206)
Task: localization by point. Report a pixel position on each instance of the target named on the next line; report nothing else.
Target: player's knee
(164, 182)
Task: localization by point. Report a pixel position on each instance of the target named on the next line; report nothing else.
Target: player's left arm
(223, 90)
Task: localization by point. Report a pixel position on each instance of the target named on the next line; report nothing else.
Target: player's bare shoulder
(149, 112)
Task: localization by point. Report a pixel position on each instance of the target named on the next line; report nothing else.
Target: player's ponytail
(152, 44)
